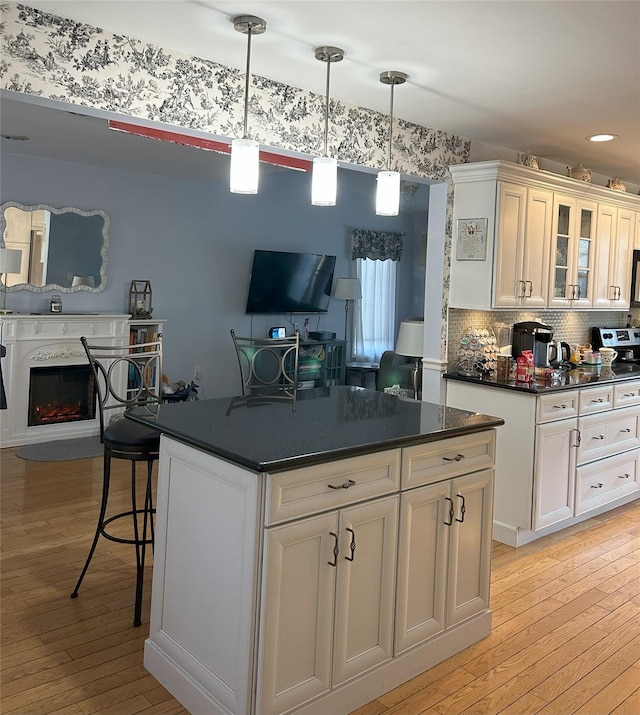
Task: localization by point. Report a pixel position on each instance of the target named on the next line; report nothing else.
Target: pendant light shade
(324, 181)
(388, 186)
(245, 153)
(245, 163)
(388, 193)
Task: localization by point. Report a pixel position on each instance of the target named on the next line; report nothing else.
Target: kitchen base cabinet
(554, 470)
(266, 601)
(549, 445)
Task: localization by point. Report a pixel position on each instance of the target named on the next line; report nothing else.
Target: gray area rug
(62, 450)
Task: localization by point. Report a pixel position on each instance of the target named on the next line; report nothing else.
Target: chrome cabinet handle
(530, 293)
(578, 438)
(597, 401)
(599, 485)
(451, 512)
(624, 476)
(463, 509)
(345, 485)
(336, 550)
(457, 458)
(352, 545)
(600, 436)
(626, 430)
(523, 289)
(559, 407)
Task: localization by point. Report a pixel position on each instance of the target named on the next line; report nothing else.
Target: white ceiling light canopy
(324, 181)
(388, 189)
(245, 152)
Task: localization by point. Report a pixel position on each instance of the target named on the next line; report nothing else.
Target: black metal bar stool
(127, 376)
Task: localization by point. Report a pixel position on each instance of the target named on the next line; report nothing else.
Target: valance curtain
(375, 245)
(375, 254)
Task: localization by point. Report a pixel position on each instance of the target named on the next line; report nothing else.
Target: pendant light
(388, 189)
(324, 180)
(245, 152)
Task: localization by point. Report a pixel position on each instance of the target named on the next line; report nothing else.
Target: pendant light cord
(390, 126)
(326, 112)
(246, 81)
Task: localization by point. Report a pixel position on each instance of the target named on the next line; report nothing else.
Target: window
(376, 255)
(374, 315)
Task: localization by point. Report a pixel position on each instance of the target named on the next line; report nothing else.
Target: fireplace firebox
(66, 393)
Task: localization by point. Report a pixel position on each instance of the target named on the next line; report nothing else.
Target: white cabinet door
(469, 570)
(365, 591)
(297, 613)
(522, 253)
(422, 565)
(572, 257)
(612, 282)
(554, 472)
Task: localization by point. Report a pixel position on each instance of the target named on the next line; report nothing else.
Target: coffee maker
(534, 336)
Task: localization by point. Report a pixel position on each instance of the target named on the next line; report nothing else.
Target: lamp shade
(324, 181)
(388, 193)
(245, 162)
(10, 260)
(347, 289)
(410, 338)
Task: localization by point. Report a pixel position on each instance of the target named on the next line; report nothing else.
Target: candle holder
(140, 299)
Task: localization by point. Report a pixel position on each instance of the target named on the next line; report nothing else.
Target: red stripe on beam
(269, 157)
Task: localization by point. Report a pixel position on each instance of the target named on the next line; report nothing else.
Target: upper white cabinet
(551, 241)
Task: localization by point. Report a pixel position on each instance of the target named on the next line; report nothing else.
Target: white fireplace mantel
(43, 340)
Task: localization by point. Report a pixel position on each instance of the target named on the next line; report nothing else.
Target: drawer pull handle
(623, 476)
(336, 550)
(352, 545)
(600, 436)
(626, 430)
(463, 509)
(345, 485)
(451, 512)
(629, 394)
(597, 401)
(560, 407)
(457, 458)
(599, 485)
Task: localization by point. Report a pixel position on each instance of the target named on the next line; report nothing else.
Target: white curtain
(374, 315)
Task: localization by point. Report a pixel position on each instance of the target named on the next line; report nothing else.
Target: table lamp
(10, 260)
(347, 289)
(410, 343)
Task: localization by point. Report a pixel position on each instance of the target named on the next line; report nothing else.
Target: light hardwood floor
(566, 636)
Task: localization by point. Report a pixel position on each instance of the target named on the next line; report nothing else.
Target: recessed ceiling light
(602, 137)
(16, 137)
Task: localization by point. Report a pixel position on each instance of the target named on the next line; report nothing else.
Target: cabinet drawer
(604, 435)
(604, 481)
(310, 490)
(557, 406)
(434, 461)
(596, 399)
(626, 394)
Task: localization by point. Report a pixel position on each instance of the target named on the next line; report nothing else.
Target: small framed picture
(472, 239)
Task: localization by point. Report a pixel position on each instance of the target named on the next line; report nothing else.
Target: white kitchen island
(308, 561)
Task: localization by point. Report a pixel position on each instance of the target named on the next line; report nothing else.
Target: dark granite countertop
(327, 424)
(582, 376)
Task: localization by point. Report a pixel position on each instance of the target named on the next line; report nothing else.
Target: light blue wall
(194, 241)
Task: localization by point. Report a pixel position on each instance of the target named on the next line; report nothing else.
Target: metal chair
(126, 377)
(268, 366)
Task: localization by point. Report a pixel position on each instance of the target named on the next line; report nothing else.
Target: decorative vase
(529, 160)
(616, 185)
(579, 172)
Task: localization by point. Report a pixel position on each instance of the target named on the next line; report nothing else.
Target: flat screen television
(283, 282)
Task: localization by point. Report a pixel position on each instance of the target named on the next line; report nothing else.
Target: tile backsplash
(572, 326)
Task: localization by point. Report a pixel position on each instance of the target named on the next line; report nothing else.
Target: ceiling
(524, 75)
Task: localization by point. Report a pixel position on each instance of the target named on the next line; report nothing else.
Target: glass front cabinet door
(573, 256)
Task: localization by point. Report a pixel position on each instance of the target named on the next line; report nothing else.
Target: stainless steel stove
(625, 341)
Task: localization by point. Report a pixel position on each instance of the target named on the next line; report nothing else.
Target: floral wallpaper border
(57, 58)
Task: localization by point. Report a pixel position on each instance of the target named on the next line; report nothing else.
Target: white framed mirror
(62, 249)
